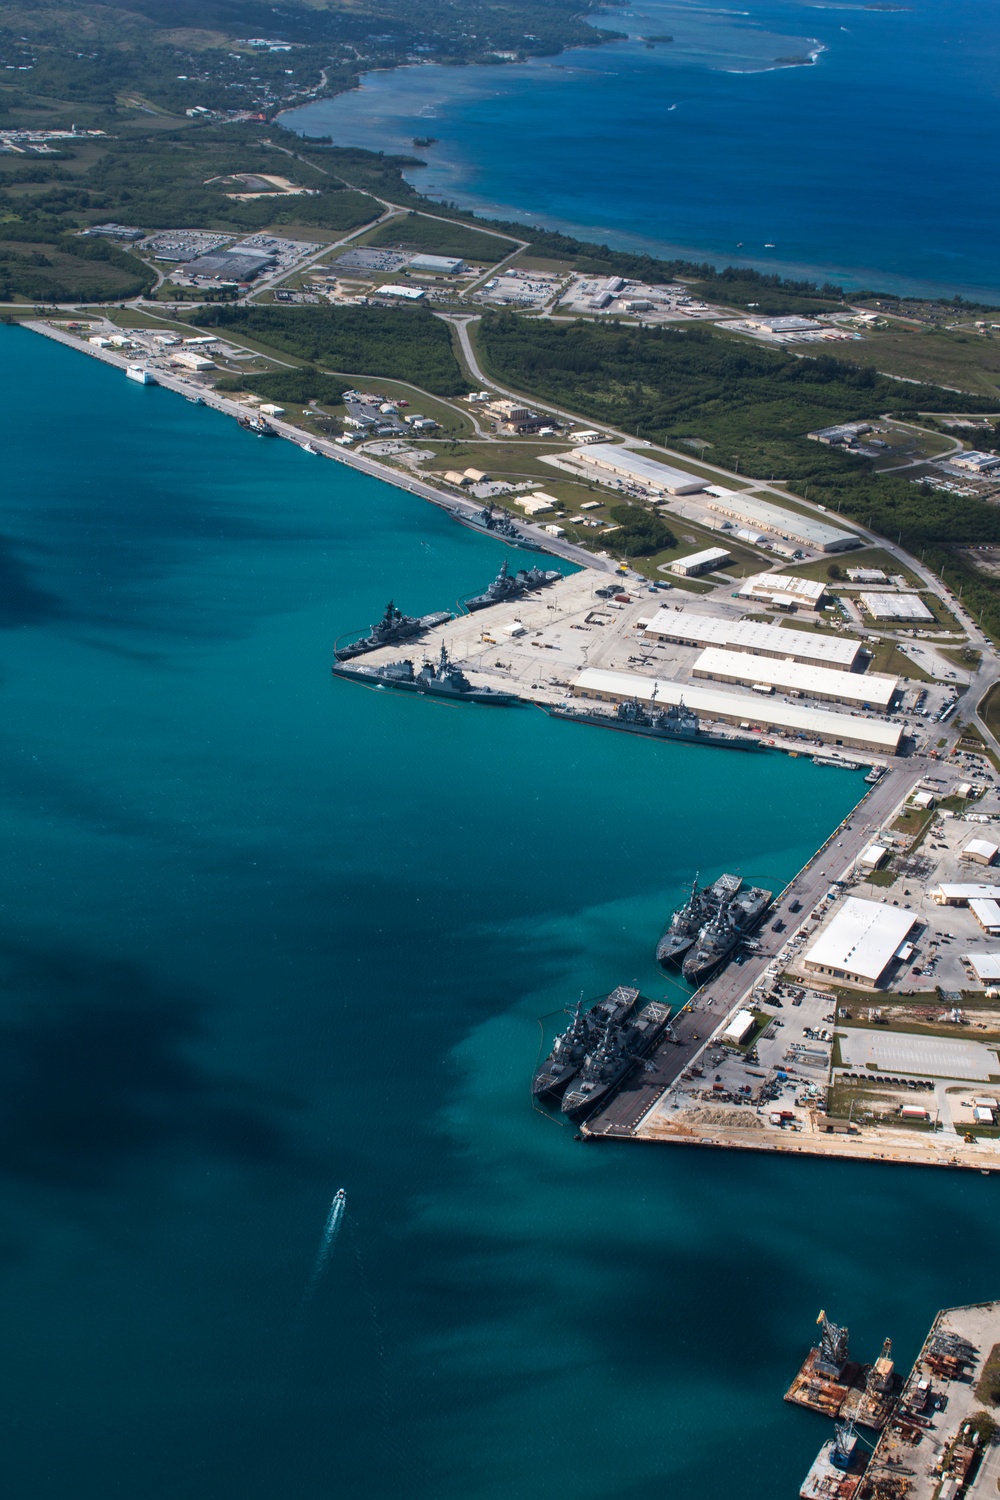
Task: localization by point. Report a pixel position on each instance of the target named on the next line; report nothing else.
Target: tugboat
(394, 626)
(583, 1034)
(505, 587)
(618, 1051)
(497, 522)
(736, 913)
(257, 425)
(440, 680)
(676, 722)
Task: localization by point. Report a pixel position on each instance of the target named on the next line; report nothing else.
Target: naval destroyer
(736, 912)
(394, 626)
(676, 722)
(511, 586)
(614, 1057)
(583, 1035)
(440, 679)
(496, 522)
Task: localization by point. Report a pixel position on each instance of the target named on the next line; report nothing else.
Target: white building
(627, 463)
(961, 895)
(786, 590)
(701, 562)
(771, 717)
(977, 463)
(796, 677)
(407, 293)
(872, 857)
(980, 851)
(749, 511)
(445, 265)
(686, 628)
(987, 914)
(985, 966)
(896, 607)
(866, 575)
(739, 1028)
(192, 361)
(860, 942)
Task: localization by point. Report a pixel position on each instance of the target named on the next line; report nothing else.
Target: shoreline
(180, 385)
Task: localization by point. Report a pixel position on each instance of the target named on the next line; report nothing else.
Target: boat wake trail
(331, 1228)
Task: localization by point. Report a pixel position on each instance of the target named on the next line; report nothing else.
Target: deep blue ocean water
(264, 934)
(873, 166)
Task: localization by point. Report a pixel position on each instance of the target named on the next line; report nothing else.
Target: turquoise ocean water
(264, 935)
(872, 165)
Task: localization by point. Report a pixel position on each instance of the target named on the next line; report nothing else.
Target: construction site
(932, 1436)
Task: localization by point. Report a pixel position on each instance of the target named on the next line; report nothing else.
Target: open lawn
(862, 557)
(966, 361)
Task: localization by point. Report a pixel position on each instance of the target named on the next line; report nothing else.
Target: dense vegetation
(70, 269)
(749, 408)
(405, 343)
(640, 533)
(436, 237)
(297, 386)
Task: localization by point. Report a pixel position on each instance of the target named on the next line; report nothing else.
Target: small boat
(308, 448)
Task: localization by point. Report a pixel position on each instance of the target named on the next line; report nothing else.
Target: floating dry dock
(939, 1430)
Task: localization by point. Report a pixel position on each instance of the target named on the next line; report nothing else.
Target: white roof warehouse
(639, 468)
(788, 523)
(685, 628)
(860, 942)
(796, 677)
(733, 708)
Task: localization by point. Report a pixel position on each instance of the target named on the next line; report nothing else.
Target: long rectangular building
(961, 895)
(896, 607)
(638, 467)
(750, 511)
(790, 720)
(860, 942)
(796, 677)
(786, 590)
(685, 628)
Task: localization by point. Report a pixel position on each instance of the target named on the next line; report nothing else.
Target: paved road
(717, 999)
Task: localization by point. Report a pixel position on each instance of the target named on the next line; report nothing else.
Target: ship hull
(696, 970)
(673, 952)
(425, 690)
(412, 632)
(512, 541)
(605, 721)
(577, 1107)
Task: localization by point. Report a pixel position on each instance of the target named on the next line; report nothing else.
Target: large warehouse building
(775, 717)
(896, 607)
(796, 677)
(638, 467)
(749, 511)
(860, 942)
(785, 590)
(685, 628)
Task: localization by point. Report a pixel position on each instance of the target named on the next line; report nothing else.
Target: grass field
(862, 557)
(953, 358)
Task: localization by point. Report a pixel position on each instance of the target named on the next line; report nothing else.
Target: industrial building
(797, 677)
(445, 265)
(685, 628)
(784, 590)
(701, 562)
(961, 895)
(739, 1028)
(985, 966)
(980, 851)
(749, 511)
(406, 293)
(771, 716)
(866, 575)
(639, 468)
(230, 265)
(860, 942)
(896, 607)
(987, 914)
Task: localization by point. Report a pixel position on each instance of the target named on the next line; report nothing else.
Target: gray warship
(511, 586)
(616, 1054)
(394, 626)
(440, 679)
(736, 912)
(675, 722)
(584, 1034)
(496, 522)
(684, 925)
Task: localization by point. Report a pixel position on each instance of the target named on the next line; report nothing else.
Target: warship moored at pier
(675, 722)
(621, 1047)
(440, 679)
(736, 913)
(496, 521)
(394, 626)
(583, 1035)
(507, 586)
